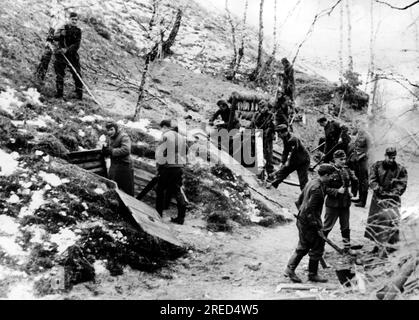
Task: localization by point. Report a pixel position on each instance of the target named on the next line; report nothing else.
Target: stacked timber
(245, 104)
(90, 160)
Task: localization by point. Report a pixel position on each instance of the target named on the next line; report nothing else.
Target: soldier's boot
(346, 240)
(313, 268)
(180, 219)
(291, 266)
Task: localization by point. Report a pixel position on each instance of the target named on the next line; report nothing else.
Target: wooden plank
(148, 218)
(138, 164)
(143, 175)
(92, 165)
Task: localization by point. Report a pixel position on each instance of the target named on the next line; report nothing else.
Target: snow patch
(13, 199)
(100, 267)
(36, 202)
(8, 164)
(8, 100)
(50, 178)
(143, 125)
(8, 225)
(32, 97)
(9, 245)
(22, 291)
(64, 239)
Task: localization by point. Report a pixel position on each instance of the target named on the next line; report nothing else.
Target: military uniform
(388, 181)
(225, 116)
(281, 111)
(294, 157)
(121, 170)
(337, 204)
(265, 122)
(358, 160)
(332, 132)
(170, 158)
(288, 84)
(68, 38)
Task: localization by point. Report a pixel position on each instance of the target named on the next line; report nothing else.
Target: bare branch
(398, 8)
(319, 15)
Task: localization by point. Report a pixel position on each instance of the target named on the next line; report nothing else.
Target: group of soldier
(343, 173)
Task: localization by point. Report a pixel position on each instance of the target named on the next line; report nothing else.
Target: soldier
(388, 181)
(336, 137)
(288, 84)
(264, 120)
(68, 38)
(119, 149)
(359, 162)
(170, 159)
(309, 224)
(224, 111)
(338, 199)
(281, 110)
(294, 157)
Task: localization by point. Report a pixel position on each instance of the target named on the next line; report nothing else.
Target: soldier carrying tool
(295, 157)
(309, 223)
(336, 138)
(388, 181)
(68, 39)
(288, 83)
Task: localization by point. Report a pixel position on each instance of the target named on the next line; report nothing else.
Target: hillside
(55, 219)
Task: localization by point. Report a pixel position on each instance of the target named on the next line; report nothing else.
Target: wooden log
(138, 164)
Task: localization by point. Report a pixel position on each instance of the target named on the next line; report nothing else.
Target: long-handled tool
(322, 159)
(81, 80)
(318, 147)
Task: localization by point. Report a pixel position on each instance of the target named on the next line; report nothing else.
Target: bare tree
(340, 53)
(255, 73)
(275, 40)
(319, 15)
(348, 18)
(160, 47)
(237, 30)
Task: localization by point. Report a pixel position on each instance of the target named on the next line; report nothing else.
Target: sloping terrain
(62, 232)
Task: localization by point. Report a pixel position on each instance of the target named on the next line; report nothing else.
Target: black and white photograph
(211, 156)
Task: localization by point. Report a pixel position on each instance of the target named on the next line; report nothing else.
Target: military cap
(166, 123)
(222, 103)
(322, 119)
(339, 154)
(391, 151)
(326, 168)
(282, 128)
(73, 15)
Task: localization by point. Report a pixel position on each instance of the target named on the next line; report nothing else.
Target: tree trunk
(275, 48)
(350, 58)
(255, 74)
(341, 45)
(167, 44)
(234, 41)
(141, 89)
